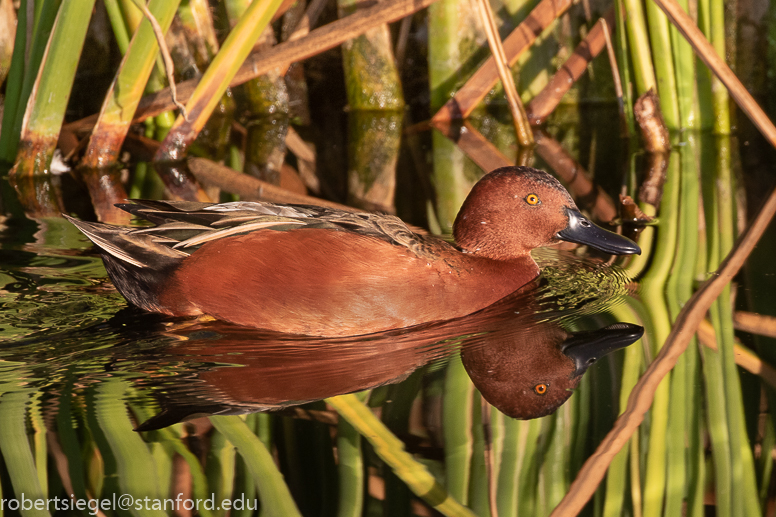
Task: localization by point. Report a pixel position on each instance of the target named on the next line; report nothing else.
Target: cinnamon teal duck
(325, 272)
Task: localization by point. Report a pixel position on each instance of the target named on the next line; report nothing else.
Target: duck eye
(532, 199)
(541, 389)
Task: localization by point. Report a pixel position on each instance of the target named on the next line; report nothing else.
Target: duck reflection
(516, 352)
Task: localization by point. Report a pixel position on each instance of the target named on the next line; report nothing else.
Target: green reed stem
(127, 88)
(45, 111)
(28, 67)
(478, 478)
(555, 469)
(274, 493)
(684, 65)
(679, 288)
(216, 79)
(512, 459)
(350, 467)
(17, 455)
(617, 475)
(13, 88)
(527, 499)
(68, 440)
(721, 98)
(765, 463)
(623, 58)
(457, 411)
(660, 39)
(638, 38)
(713, 370)
(135, 467)
(219, 470)
(391, 450)
(653, 295)
(117, 24)
(744, 485)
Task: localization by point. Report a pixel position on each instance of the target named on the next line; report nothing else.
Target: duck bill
(585, 348)
(581, 231)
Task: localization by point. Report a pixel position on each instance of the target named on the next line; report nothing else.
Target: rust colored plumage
(326, 272)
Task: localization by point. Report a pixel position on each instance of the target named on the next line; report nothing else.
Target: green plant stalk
(391, 450)
(457, 411)
(275, 497)
(244, 486)
(643, 71)
(453, 172)
(133, 16)
(684, 65)
(455, 37)
(45, 16)
(691, 193)
(721, 98)
(135, 467)
(582, 405)
(171, 441)
(162, 454)
(530, 465)
(478, 479)
(101, 462)
(713, 369)
(216, 79)
(127, 88)
(660, 39)
(679, 288)
(220, 469)
(350, 467)
(373, 152)
(396, 416)
(39, 441)
(197, 20)
(765, 463)
(371, 77)
(653, 295)
(555, 469)
(46, 108)
(68, 440)
(696, 435)
(621, 49)
(497, 428)
(117, 24)
(617, 475)
(13, 88)
(18, 457)
(744, 485)
(637, 494)
(511, 461)
(542, 506)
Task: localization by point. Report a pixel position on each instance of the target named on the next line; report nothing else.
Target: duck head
(513, 210)
(532, 372)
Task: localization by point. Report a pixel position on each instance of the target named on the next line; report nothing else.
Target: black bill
(581, 231)
(585, 348)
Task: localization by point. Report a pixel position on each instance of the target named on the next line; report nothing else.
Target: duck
(319, 271)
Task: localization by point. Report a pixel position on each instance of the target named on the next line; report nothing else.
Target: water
(80, 370)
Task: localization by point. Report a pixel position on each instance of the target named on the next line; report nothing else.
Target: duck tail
(136, 262)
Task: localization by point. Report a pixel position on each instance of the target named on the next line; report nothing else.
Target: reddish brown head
(513, 210)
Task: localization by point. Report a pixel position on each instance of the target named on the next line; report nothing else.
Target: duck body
(325, 272)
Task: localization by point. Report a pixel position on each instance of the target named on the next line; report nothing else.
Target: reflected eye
(541, 389)
(532, 199)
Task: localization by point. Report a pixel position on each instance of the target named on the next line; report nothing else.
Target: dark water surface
(80, 370)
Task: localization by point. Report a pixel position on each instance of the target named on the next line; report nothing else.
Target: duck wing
(181, 227)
